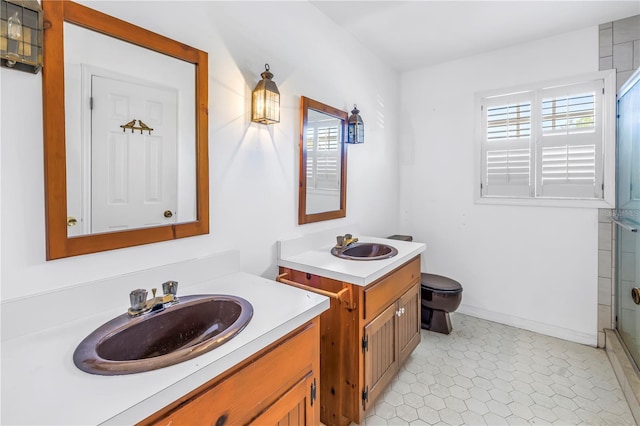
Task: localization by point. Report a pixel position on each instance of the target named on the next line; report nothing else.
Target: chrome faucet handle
(340, 240)
(170, 287)
(138, 299)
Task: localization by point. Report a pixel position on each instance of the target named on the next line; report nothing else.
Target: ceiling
(413, 34)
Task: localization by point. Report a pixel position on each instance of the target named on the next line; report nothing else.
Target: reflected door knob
(167, 213)
(72, 221)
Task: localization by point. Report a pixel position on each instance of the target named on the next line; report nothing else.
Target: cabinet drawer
(380, 294)
(312, 280)
(238, 398)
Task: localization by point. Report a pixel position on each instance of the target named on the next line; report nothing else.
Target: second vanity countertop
(41, 385)
(317, 259)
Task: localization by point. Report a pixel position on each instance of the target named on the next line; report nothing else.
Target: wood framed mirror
(187, 177)
(323, 162)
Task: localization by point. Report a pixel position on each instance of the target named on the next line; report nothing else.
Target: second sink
(183, 331)
(365, 251)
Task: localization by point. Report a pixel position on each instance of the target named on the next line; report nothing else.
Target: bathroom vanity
(283, 388)
(252, 377)
(372, 326)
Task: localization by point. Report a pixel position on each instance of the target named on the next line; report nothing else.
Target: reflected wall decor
(356, 127)
(21, 27)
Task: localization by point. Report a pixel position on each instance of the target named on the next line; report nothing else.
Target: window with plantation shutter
(547, 141)
(323, 156)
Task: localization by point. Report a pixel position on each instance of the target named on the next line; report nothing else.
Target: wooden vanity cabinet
(277, 386)
(388, 340)
(364, 338)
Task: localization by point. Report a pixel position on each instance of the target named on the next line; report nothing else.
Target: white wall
(535, 267)
(253, 168)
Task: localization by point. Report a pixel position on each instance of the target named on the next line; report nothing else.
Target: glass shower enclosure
(627, 216)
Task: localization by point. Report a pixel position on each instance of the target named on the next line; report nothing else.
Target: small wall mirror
(323, 162)
(125, 134)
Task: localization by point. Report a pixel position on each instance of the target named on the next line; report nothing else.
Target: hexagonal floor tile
(489, 373)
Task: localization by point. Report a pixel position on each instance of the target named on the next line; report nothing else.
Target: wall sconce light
(265, 104)
(21, 25)
(356, 127)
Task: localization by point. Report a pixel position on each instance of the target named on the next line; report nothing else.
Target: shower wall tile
(604, 291)
(602, 342)
(628, 243)
(628, 267)
(606, 41)
(604, 263)
(622, 77)
(604, 317)
(626, 29)
(605, 215)
(604, 236)
(606, 63)
(623, 56)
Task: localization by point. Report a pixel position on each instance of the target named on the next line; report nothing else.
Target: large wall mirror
(125, 134)
(323, 162)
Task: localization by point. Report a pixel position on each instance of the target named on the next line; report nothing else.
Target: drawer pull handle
(635, 295)
(222, 420)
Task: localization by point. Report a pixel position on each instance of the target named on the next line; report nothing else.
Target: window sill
(546, 202)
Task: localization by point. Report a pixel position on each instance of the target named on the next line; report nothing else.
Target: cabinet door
(293, 407)
(408, 322)
(380, 354)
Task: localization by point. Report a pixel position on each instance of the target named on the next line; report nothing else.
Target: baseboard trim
(538, 327)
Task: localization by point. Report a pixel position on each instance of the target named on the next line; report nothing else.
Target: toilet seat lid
(439, 283)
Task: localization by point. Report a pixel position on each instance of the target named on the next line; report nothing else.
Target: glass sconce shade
(265, 103)
(356, 127)
(21, 26)
(14, 27)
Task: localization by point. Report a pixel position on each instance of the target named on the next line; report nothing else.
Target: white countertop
(317, 259)
(42, 386)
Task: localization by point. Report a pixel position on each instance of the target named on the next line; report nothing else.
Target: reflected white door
(134, 175)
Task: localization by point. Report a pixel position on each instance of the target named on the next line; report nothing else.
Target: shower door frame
(626, 219)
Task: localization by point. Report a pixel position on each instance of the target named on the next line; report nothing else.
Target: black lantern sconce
(265, 102)
(356, 127)
(21, 26)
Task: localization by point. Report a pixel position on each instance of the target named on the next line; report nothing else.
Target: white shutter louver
(570, 142)
(508, 165)
(569, 164)
(310, 158)
(507, 147)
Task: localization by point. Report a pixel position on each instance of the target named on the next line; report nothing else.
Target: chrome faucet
(343, 241)
(140, 305)
(170, 287)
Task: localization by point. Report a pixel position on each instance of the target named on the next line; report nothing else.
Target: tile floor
(489, 373)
